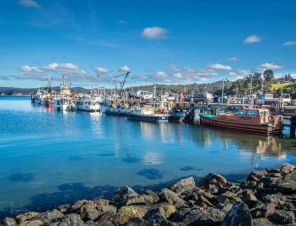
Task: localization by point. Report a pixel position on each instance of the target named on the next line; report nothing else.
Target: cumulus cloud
(243, 71)
(206, 72)
(68, 67)
(30, 69)
(29, 4)
(269, 66)
(252, 39)
(219, 67)
(154, 33)
(178, 76)
(232, 73)
(290, 43)
(124, 69)
(101, 70)
(174, 67)
(233, 59)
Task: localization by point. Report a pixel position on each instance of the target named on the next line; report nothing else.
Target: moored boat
(146, 113)
(179, 115)
(117, 110)
(253, 120)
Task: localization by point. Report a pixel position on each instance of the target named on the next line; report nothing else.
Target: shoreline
(267, 196)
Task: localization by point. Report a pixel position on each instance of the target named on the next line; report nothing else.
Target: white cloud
(252, 39)
(243, 71)
(233, 59)
(124, 69)
(29, 3)
(206, 72)
(30, 69)
(101, 70)
(178, 75)
(219, 67)
(174, 67)
(68, 67)
(154, 33)
(189, 69)
(232, 73)
(122, 22)
(269, 66)
(289, 43)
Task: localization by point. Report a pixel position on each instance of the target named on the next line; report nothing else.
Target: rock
(256, 175)
(227, 197)
(26, 216)
(248, 197)
(89, 212)
(238, 215)
(77, 205)
(248, 184)
(168, 210)
(136, 222)
(72, 219)
(140, 200)
(286, 186)
(172, 198)
(213, 182)
(104, 205)
(290, 176)
(106, 217)
(124, 193)
(127, 212)
(90, 223)
(276, 199)
(32, 223)
(9, 222)
(158, 219)
(262, 222)
(262, 210)
(287, 168)
(64, 208)
(283, 217)
(49, 216)
(106, 223)
(153, 194)
(182, 185)
(203, 202)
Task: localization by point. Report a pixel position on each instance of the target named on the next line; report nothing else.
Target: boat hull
(176, 118)
(116, 112)
(265, 129)
(148, 118)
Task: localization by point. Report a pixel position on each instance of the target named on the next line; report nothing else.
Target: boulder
(276, 199)
(26, 216)
(72, 219)
(262, 210)
(262, 222)
(287, 168)
(106, 218)
(49, 216)
(283, 217)
(286, 186)
(238, 215)
(153, 194)
(89, 212)
(125, 213)
(172, 198)
(140, 200)
(31, 223)
(182, 185)
(158, 219)
(9, 222)
(123, 195)
(213, 182)
(136, 222)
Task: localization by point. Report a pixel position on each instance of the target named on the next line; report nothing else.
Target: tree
(268, 76)
(288, 77)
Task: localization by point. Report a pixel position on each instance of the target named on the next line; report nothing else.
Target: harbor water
(51, 158)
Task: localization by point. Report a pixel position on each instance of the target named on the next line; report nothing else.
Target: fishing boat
(179, 115)
(146, 113)
(248, 119)
(117, 110)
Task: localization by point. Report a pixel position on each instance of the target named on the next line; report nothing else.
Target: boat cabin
(248, 115)
(142, 110)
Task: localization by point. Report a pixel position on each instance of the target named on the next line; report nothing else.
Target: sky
(162, 42)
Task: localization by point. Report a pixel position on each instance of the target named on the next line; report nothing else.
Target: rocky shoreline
(266, 197)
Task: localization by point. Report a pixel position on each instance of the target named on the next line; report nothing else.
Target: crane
(122, 84)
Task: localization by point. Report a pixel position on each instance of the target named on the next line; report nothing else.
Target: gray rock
(9, 222)
(248, 184)
(172, 198)
(238, 215)
(49, 216)
(159, 220)
(140, 200)
(286, 186)
(262, 210)
(283, 217)
(262, 222)
(153, 194)
(71, 219)
(107, 216)
(89, 212)
(136, 222)
(276, 199)
(287, 168)
(213, 182)
(290, 176)
(182, 185)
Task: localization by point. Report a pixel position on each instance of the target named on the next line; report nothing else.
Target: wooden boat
(179, 115)
(146, 113)
(251, 119)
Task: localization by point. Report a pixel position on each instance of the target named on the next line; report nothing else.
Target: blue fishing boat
(119, 110)
(179, 115)
(146, 113)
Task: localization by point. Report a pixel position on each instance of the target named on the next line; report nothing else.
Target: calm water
(53, 157)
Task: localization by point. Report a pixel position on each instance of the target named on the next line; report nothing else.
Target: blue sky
(166, 42)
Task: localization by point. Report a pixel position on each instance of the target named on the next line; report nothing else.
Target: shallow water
(51, 157)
